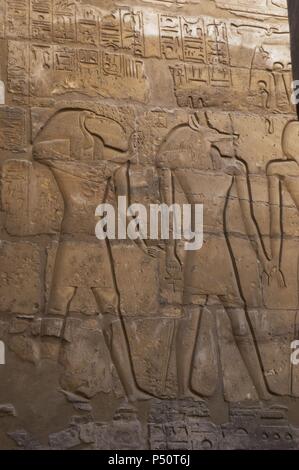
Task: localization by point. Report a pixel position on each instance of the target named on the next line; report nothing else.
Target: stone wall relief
(89, 160)
(163, 102)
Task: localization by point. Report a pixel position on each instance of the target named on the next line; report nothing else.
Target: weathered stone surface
(84, 356)
(25, 440)
(124, 432)
(7, 410)
(168, 102)
(52, 327)
(64, 439)
(20, 273)
(25, 347)
(78, 402)
(30, 198)
(189, 427)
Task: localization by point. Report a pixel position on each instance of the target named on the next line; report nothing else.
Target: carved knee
(60, 299)
(239, 323)
(107, 299)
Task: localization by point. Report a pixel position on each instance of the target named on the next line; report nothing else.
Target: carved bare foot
(138, 395)
(190, 394)
(264, 395)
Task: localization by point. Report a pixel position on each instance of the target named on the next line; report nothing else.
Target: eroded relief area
(142, 344)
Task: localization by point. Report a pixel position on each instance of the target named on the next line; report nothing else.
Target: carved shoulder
(283, 168)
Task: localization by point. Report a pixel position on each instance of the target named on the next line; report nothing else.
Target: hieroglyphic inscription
(12, 129)
(161, 102)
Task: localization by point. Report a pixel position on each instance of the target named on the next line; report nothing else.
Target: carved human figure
(88, 153)
(190, 157)
(282, 172)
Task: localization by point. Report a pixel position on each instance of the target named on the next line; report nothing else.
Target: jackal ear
(109, 131)
(198, 120)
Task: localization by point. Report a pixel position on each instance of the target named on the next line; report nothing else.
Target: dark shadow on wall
(293, 6)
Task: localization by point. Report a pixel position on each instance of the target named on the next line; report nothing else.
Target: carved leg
(185, 343)
(248, 350)
(117, 343)
(107, 300)
(59, 302)
(60, 299)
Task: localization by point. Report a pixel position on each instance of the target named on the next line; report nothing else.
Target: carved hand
(272, 273)
(153, 251)
(174, 268)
